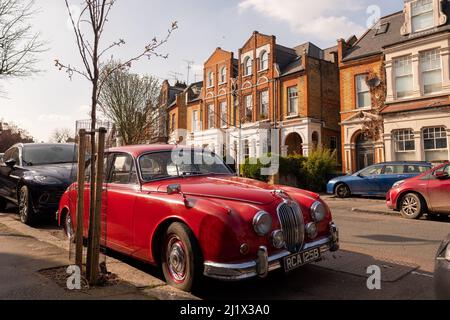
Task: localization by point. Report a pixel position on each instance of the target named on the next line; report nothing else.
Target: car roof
(138, 150)
(420, 163)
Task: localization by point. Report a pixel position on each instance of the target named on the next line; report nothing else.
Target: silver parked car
(442, 271)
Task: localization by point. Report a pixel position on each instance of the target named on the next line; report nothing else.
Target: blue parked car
(376, 180)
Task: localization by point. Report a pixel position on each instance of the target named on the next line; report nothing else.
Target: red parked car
(428, 193)
(195, 217)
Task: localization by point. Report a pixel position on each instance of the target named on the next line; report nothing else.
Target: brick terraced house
(409, 51)
(269, 86)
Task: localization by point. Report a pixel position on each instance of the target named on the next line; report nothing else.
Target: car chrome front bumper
(264, 263)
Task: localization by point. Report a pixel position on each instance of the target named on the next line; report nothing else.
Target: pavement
(26, 252)
(403, 249)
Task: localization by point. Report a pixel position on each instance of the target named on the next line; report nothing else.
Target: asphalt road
(404, 250)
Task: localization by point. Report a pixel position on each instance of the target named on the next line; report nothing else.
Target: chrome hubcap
(23, 205)
(342, 191)
(69, 231)
(410, 206)
(176, 259)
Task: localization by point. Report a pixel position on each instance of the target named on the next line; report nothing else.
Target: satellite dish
(374, 82)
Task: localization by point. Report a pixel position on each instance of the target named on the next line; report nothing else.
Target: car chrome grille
(292, 224)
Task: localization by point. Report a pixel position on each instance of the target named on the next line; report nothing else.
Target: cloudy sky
(50, 100)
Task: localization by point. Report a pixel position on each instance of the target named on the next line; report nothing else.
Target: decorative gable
(439, 17)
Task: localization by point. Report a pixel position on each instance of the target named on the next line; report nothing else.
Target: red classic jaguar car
(185, 210)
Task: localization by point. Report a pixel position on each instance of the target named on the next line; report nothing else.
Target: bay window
(403, 70)
(435, 138)
(430, 65)
(404, 140)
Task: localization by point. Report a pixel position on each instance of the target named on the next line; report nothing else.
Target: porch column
(348, 165)
(445, 54)
(448, 144)
(284, 151)
(389, 147)
(420, 153)
(416, 75)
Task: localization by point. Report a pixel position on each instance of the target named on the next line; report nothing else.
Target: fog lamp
(278, 239)
(311, 230)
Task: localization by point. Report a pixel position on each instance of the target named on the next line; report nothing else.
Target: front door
(439, 193)
(120, 196)
(9, 177)
(365, 152)
(368, 181)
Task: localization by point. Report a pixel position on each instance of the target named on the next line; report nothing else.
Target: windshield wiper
(192, 173)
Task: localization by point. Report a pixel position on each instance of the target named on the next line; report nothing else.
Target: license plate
(300, 259)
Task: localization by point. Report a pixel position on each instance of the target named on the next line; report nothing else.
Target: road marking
(422, 274)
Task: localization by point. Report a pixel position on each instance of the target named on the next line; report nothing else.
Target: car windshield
(37, 155)
(180, 163)
(371, 171)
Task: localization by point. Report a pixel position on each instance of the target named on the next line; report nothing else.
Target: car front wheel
(26, 212)
(181, 258)
(68, 227)
(342, 191)
(411, 206)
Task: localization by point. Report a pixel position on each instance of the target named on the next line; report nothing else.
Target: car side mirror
(11, 163)
(173, 189)
(441, 175)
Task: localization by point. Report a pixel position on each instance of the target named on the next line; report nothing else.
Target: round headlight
(311, 230)
(318, 211)
(278, 239)
(262, 223)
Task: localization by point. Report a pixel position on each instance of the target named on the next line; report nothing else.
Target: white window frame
(264, 93)
(292, 96)
(264, 63)
(211, 117)
(403, 75)
(248, 67)
(195, 121)
(248, 104)
(362, 91)
(223, 75)
(435, 52)
(210, 79)
(437, 133)
(419, 14)
(401, 138)
(223, 120)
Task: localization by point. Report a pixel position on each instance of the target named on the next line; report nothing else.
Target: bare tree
(88, 28)
(19, 45)
(128, 100)
(62, 135)
(10, 134)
